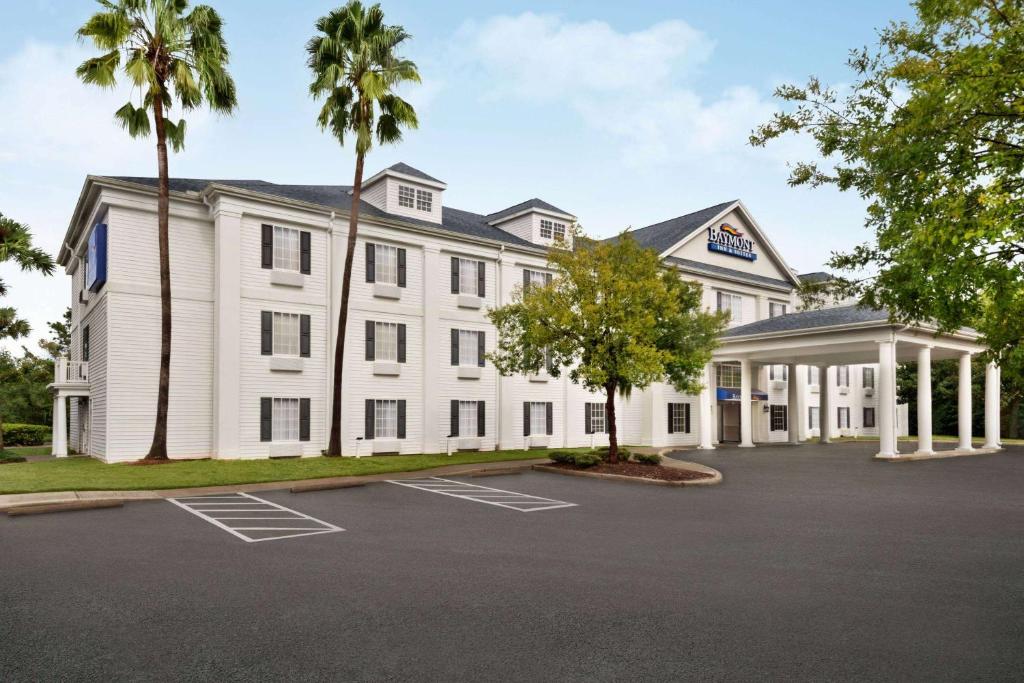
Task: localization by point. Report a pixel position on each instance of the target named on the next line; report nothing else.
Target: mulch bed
(633, 469)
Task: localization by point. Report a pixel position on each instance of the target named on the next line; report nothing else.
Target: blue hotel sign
(726, 239)
(96, 261)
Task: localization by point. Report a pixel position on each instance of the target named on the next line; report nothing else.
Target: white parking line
(483, 494)
(213, 512)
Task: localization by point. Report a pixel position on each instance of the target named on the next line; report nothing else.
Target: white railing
(70, 371)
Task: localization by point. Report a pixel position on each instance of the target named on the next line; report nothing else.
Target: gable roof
(534, 203)
(337, 197)
(662, 236)
(401, 167)
(808, 320)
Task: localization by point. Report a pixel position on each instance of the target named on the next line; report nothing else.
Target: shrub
(561, 457)
(647, 458)
(585, 459)
(16, 434)
(624, 455)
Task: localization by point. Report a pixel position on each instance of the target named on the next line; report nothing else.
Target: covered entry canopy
(852, 335)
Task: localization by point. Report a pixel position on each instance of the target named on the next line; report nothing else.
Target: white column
(707, 398)
(508, 436)
(433, 427)
(793, 409)
(824, 404)
(227, 323)
(963, 411)
(53, 422)
(60, 436)
(991, 406)
(746, 411)
(886, 400)
(658, 427)
(924, 401)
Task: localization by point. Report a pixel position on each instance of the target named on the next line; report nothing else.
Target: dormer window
(406, 196)
(424, 200)
(410, 197)
(546, 229)
(559, 231)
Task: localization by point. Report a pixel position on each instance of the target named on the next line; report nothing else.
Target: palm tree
(16, 246)
(170, 55)
(355, 69)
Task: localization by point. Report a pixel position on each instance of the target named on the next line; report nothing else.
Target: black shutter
(401, 343)
(266, 333)
(526, 419)
(686, 418)
(549, 419)
(480, 344)
(481, 279)
(267, 251)
(368, 420)
(455, 346)
(304, 336)
(455, 275)
(481, 414)
(401, 267)
(526, 279)
(304, 253)
(588, 427)
(371, 256)
(670, 411)
(401, 419)
(370, 340)
(86, 345)
(453, 421)
(303, 419)
(266, 419)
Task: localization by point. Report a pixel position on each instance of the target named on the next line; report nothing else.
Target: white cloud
(635, 86)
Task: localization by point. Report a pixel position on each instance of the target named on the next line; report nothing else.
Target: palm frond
(175, 134)
(135, 121)
(100, 70)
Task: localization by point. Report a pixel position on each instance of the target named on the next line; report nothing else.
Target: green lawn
(88, 474)
(21, 451)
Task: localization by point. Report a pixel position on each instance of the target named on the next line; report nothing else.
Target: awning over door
(729, 394)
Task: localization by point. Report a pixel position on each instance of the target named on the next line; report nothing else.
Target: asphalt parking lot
(806, 563)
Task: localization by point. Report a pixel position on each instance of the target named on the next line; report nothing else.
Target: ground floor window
(869, 418)
(595, 418)
(538, 418)
(678, 418)
(812, 417)
(384, 419)
(780, 418)
(843, 418)
(284, 419)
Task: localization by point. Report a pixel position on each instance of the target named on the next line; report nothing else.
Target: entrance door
(729, 422)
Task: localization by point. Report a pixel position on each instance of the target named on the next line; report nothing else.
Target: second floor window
(468, 277)
(286, 248)
(733, 304)
(535, 278)
(469, 347)
(386, 264)
(729, 375)
(778, 372)
(843, 375)
(776, 309)
(286, 334)
(868, 379)
(812, 374)
(85, 343)
(385, 342)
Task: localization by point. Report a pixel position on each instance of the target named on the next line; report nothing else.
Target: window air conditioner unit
(778, 384)
(844, 390)
(869, 391)
(815, 388)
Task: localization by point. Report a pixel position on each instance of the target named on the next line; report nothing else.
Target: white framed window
(468, 274)
(812, 417)
(778, 372)
(538, 418)
(776, 309)
(680, 418)
(779, 415)
(386, 264)
(733, 304)
(467, 418)
(812, 374)
(598, 415)
(406, 196)
(286, 334)
(285, 419)
(546, 229)
(559, 231)
(868, 378)
(729, 375)
(424, 200)
(385, 342)
(385, 419)
(869, 418)
(843, 418)
(286, 248)
(469, 348)
(843, 376)
(536, 277)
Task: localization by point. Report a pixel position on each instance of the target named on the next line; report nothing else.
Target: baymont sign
(726, 239)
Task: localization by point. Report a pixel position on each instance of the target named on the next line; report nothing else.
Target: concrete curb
(716, 476)
(63, 507)
(14, 500)
(939, 455)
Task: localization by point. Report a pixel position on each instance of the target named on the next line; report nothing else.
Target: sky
(623, 114)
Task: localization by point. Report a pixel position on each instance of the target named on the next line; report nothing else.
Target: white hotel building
(256, 280)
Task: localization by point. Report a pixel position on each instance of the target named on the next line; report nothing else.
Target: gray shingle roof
(819, 276)
(729, 273)
(807, 320)
(661, 236)
(338, 197)
(523, 206)
(414, 172)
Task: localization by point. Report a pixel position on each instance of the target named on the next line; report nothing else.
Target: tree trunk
(1013, 420)
(609, 409)
(334, 446)
(158, 449)
(1, 433)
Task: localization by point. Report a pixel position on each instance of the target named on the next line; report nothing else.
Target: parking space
(253, 519)
(484, 494)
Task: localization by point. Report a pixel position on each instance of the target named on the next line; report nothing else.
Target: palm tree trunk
(158, 449)
(609, 409)
(334, 446)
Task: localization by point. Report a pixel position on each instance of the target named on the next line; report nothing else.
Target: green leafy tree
(931, 134)
(356, 67)
(172, 55)
(59, 343)
(16, 246)
(24, 396)
(613, 318)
